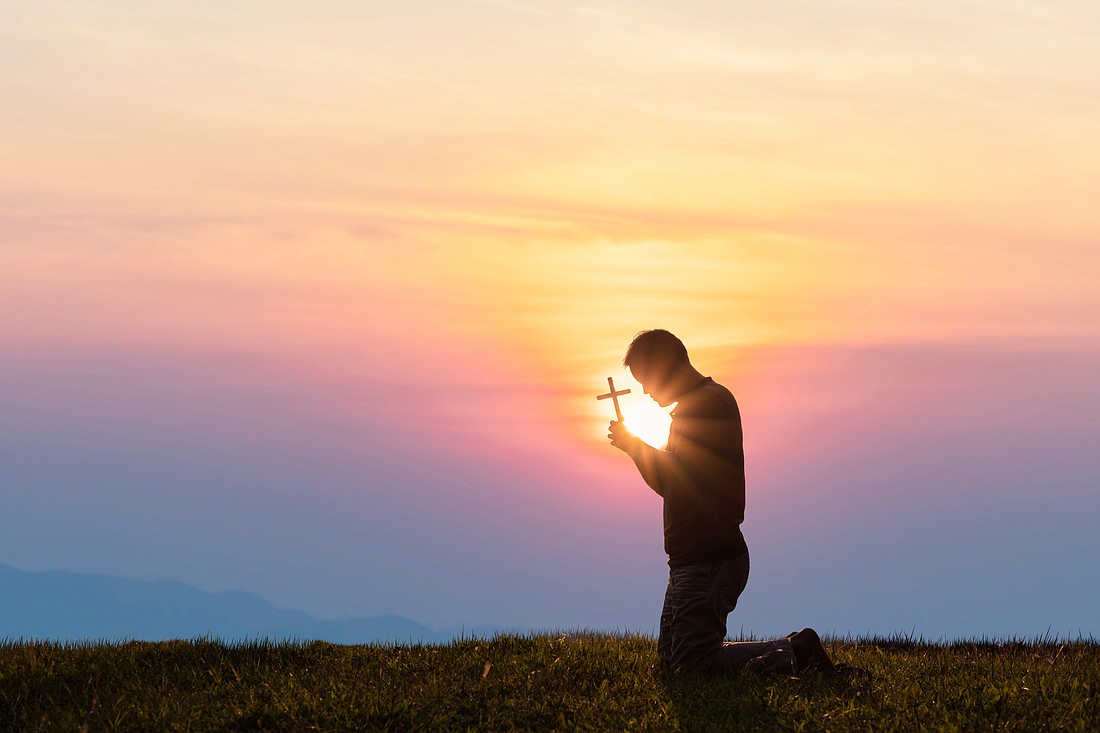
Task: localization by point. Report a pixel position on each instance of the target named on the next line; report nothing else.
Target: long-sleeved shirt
(704, 492)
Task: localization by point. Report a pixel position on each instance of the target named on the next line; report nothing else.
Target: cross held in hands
(614, 397)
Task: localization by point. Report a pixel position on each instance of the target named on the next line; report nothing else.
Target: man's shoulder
(709, 399)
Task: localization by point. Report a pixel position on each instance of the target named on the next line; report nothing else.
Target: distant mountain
(72, 606)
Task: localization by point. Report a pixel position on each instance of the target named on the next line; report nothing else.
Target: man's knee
(694, 649)
(697, 662)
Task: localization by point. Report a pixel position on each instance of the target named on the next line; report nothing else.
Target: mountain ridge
(68, 606)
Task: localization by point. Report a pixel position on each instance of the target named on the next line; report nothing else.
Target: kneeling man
(700, 475)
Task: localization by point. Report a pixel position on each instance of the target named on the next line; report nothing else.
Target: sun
(648, 421)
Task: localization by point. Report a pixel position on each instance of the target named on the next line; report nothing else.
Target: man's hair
(651, 346)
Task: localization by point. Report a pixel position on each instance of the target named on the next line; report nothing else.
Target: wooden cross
(614, 397)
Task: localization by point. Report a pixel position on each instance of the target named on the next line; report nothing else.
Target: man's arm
(653, 464)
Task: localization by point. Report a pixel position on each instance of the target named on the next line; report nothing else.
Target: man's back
(704, 497)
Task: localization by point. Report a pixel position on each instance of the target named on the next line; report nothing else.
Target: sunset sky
(313, 300)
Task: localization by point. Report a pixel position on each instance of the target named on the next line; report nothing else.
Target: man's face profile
(654, 380)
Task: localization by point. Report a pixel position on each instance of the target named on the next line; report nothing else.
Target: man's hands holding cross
(651, 462)
(620, 437)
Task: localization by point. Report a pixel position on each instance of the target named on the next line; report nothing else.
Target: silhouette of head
(655, 358)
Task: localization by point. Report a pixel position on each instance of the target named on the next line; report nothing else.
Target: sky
(313, 300)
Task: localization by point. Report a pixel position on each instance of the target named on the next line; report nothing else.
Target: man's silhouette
(700, 476)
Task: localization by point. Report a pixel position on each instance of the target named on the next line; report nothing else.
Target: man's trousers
(693, 623)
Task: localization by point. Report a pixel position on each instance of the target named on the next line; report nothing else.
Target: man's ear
(664, 369)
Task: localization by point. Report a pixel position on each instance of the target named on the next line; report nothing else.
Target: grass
(547, 682)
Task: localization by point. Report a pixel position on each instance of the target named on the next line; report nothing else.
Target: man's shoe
(809, 653)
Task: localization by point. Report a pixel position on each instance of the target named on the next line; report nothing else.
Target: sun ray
(647, 420)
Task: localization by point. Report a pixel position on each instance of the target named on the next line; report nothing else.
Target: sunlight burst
(648, 421)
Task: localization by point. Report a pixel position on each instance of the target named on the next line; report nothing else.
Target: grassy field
(554, 682)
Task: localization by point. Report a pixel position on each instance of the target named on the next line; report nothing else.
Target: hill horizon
(68, 606)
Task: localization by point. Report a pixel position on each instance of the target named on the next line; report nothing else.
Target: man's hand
(650, 461)
(621, 438)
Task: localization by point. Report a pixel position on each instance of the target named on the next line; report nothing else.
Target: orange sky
(489, 198)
